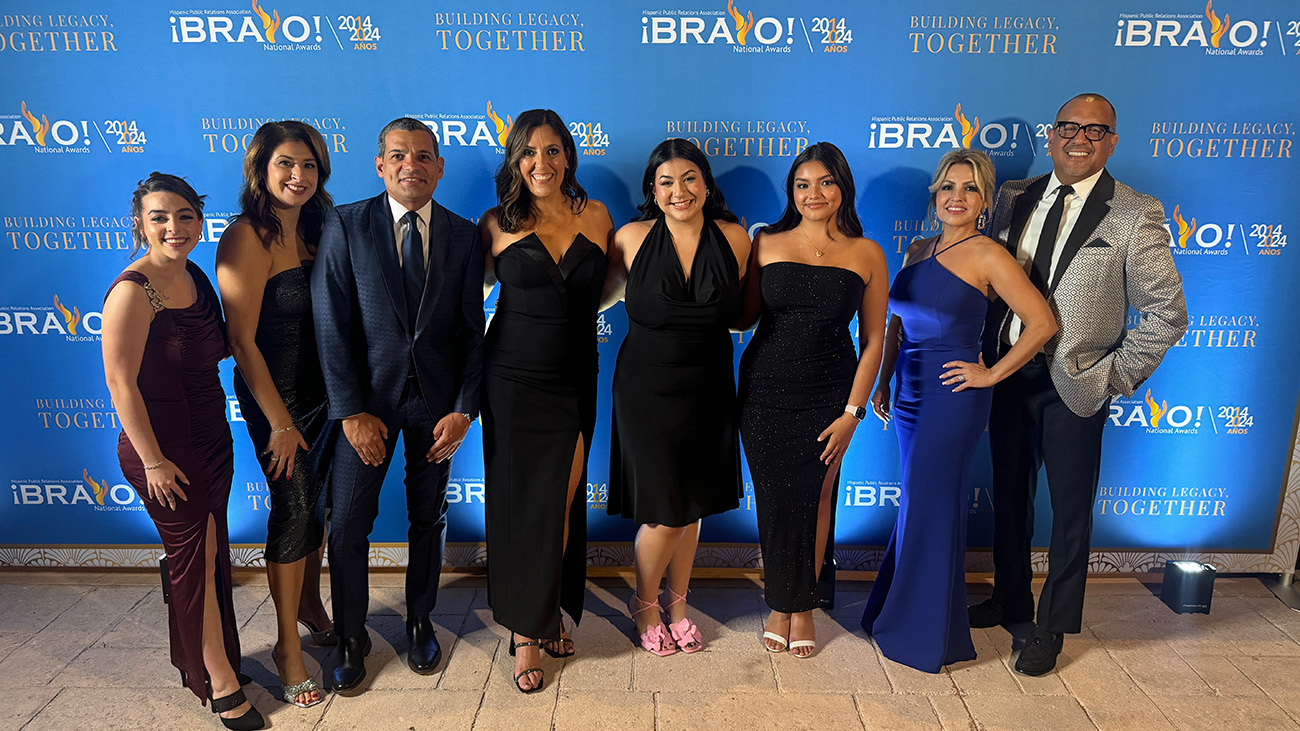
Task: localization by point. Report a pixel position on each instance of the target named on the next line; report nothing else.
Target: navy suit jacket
(367, 350)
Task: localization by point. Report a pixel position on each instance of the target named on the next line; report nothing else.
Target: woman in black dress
(263, 270)
(674, 454)
(545, 242)
(803, 389)
(162, 339)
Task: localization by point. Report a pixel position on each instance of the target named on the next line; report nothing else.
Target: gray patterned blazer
(1117, 257)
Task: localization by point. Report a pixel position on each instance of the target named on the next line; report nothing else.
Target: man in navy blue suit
(397, 293)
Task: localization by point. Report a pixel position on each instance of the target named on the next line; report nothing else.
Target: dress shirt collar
(398, 210)
(1082, 189)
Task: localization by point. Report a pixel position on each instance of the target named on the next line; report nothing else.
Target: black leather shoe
(991, 613)
(351, 669)
(1038, 656)
(424, 652)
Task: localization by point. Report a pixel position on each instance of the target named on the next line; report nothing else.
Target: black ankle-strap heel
(250, 721)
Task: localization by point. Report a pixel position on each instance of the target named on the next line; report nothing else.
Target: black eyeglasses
(1094, 132)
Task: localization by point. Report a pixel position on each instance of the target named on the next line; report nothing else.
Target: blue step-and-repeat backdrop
(94, 96)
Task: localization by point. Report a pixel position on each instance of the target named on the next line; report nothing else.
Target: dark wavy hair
(159, 183)
(513, 197)
(846, 219)
(676, 148)
(255, 202)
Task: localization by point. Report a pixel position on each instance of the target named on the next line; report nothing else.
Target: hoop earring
(982, 220)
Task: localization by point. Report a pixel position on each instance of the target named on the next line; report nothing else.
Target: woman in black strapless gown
(545, 243)
(674, 453)
(803, 388)
(163, 338)
(263, 265)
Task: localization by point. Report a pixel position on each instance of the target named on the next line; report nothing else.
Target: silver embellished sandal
(291, 693)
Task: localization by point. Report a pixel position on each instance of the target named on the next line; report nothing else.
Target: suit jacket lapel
(1095, 209)
(439, 231)
(1024, 208)
(381, 236)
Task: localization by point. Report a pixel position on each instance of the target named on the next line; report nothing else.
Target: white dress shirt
(399, 212)
(1028, 244)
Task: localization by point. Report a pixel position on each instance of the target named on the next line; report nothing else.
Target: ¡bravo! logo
(1157, 416)
(57, 320)
(770, 34)
(273, 31)
(959, 130)
(1209, 238)
(470, 130)
(1218, 36)
(34, 128)
(96, 494)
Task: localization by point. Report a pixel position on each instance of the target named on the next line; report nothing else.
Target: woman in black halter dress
(812, 272)
(674, 453)
(263, 265)
(545, 243)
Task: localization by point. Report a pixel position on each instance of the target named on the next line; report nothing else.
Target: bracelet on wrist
(291, 427)
(156, 465)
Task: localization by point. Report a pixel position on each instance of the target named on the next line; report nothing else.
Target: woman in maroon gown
(163, 337)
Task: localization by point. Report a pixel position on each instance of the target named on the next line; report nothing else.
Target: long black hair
(676, 148)
(833, 160)
(513, 196)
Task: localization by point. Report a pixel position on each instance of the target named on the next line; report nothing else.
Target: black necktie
(413, 266)
(1047, 241)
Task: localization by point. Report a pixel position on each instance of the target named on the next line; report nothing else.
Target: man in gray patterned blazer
(1094, 247)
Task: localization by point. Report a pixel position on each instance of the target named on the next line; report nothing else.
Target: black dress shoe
(1038, 656)
(424, 652)
(991, 613)
(351, 669)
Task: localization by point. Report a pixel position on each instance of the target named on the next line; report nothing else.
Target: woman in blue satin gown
(917, 609)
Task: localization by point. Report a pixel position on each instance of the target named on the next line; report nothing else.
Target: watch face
(859, 412)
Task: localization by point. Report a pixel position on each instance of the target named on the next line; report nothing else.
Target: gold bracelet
(155, 466)
(291, 427)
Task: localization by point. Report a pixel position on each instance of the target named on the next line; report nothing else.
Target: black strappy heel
(516, 645)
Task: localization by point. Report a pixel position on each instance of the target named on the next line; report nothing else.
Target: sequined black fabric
(287, 340)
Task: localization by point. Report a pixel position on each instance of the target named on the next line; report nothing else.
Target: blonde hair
(980, 164)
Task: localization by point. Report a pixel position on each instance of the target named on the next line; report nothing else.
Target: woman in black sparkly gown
(263, 265)
(545, 243)
(803, 389)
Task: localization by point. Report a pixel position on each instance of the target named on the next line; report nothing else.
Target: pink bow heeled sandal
(655, 639)
(684, 632)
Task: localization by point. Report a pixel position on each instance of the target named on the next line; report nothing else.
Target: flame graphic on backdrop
(38, 128)
(100, 488)
(1157, 411)
(1184, 231)
(69, 318)
(742, 25)
(268, 25)
(1217, 29)
(503, 128)
(968, 130)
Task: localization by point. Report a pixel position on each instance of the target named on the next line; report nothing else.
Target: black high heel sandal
(321, 637)
(243, 679)
(516, 645)
(250, 721)
(546, 646)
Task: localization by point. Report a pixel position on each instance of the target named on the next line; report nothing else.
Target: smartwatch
(857, 412)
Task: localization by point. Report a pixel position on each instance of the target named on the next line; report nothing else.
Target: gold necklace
(820, 252)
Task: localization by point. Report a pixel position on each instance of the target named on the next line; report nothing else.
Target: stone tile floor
(88, 650)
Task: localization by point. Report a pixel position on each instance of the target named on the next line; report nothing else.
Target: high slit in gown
(187, 410)
(795, 379)
(539, 394)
